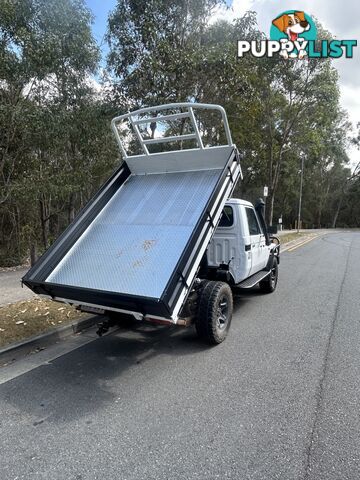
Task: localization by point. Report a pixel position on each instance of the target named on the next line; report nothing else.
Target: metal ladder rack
(189, 108)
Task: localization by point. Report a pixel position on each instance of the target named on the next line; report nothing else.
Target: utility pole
(300, 195)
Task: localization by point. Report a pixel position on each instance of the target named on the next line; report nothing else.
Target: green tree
(155, 48)
(55, 147)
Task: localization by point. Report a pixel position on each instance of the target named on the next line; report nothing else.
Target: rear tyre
(268, 285)
(215, 310)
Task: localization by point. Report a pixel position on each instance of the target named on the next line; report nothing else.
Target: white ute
(162, 240)
(241, 254)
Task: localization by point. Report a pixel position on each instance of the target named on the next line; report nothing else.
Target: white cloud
(95, 86)
(340, 18)
(350, 100)
(236, 10)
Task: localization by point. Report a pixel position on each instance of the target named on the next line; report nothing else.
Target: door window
(227, 217)
(254, 228)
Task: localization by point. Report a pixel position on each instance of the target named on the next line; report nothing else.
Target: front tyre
(268, 285)
(215, 310)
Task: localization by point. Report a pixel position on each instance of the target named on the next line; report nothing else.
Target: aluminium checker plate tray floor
(135, 242)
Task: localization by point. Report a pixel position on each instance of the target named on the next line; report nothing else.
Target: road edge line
(308, 240)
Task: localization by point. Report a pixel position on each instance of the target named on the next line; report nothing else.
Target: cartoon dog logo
(293, 25)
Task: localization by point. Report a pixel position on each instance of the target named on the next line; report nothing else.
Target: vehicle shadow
(89, 378)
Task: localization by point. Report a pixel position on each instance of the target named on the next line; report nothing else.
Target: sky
(100, 10)
(339, 17)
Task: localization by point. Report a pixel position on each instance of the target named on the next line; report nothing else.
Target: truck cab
(239, 241)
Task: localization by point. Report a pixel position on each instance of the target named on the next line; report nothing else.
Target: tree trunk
(71, 211)
(322, 204)
(319, 213)
(44, 220)
(270, 207)
(33, 254)
(18, 236)
(336, 215)
(338, 208)
(56, 221)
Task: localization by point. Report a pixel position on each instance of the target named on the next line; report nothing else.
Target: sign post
(266, 192)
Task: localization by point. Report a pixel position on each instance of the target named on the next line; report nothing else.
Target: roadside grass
(289, 237)
(24, 319)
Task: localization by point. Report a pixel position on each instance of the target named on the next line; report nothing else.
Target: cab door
(264, 249)
(257, 241)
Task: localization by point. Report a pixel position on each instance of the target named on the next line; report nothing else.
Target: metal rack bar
(171, 106)
(195, 127)
(161, 118)
(173, 138)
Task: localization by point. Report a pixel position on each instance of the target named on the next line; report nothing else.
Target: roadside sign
(266, 191)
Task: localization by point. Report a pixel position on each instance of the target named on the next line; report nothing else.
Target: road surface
(278, 400)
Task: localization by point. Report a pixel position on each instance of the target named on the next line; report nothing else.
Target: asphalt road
(278, 400)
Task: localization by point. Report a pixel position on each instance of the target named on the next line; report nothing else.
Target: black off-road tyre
(268, 285)
(215, 310)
